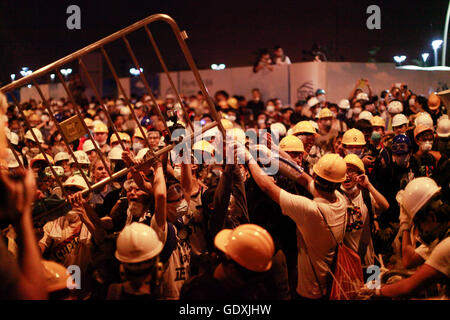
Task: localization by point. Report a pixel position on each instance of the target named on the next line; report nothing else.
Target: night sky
(34, 33)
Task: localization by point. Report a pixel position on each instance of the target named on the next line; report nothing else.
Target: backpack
(347, 270)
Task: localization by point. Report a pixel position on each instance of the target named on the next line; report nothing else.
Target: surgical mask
(411, 102)
(71, 216)
(401, 160)
(135, 208)
(180, 210)
(232, 118)
(321, 98)
(137, 146)
(357, 111)
(34, 150)
(358, 152)
(376, 137)
(261, 122)
(270, 109)
(425, 146)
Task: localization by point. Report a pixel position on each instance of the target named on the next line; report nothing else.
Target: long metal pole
(444, 49)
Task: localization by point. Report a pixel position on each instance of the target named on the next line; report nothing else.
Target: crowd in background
(371, 168)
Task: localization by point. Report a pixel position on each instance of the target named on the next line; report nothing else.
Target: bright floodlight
(221, 66)
(214, 66)
(399, 59)
(13, 76)
(25, 72)
(425, 56)
(52, 76)
(436, 44)
(136, 72)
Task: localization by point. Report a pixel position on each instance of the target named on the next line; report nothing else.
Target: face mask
(411, 102)
(58, 149)
(358, 152)
(357, 111)
(401, 161)
(34, 150)
(137, 146)
(426, 146)
(321, 98)
(232, 118)
(135, 208)
(67, 173)
(376, 137)
(270, 108)
(178, 210)
(71, 216)
(261, 122)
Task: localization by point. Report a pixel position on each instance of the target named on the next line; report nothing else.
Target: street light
(399, 59)
(436, 44)
(25, 72)
(52, 76)
(136, 72)
(425, 57)
(13, 76)
(218, 66)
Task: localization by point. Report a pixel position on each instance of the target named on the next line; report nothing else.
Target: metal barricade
(77, 56)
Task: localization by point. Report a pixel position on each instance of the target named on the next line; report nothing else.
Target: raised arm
(160, 195)
(380, 200)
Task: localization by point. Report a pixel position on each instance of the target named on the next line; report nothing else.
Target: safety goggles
(400, 148)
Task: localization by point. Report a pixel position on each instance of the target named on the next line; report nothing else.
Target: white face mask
(135, 208)
(34, 150)
(321, 98)
(358, 152)
(426, 146)
(270, 109)
(261, 122)
(178, 210)
(137, 146)
(357, 111)
(411, 102)
(72, 216)
(232, 118)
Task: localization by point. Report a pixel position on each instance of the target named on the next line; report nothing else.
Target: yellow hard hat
(421, 128)
(232, 102)
(237, 134)
(88, 122)
(100, 127)
(40, 157)
(291, 143)
(331, 167)
(377, 121)
(138, 134)
(249, 245)
(56, 276)
(203, 145)
(227, 124)
(325, 113)
(433, 101)
(355, 160)
(123, 136)
(303, 127)
(353, 137)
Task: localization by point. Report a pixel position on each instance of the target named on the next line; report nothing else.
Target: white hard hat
(38, 134)
(11, 160)
(137, 243)
(88, 145)
(416, 194)
(81, 156)
(367, 115)
(424, 119)
(313, 101)
(344, 104)
(395, 107)
(399, 120)
(362, 96)
(278, 127)
(140, 155)
(76, 181)
(443, 128)
(12, 136)
(60, 156)
(115, 153)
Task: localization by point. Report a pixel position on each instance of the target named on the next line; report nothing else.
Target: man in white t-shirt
(316, 244)
(358, 235)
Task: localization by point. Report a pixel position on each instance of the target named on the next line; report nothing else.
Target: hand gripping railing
(180, 36)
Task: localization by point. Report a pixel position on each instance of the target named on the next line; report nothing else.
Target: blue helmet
(401, 144)
(145, 122)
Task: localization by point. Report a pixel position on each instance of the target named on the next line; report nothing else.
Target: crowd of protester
(369, 172)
